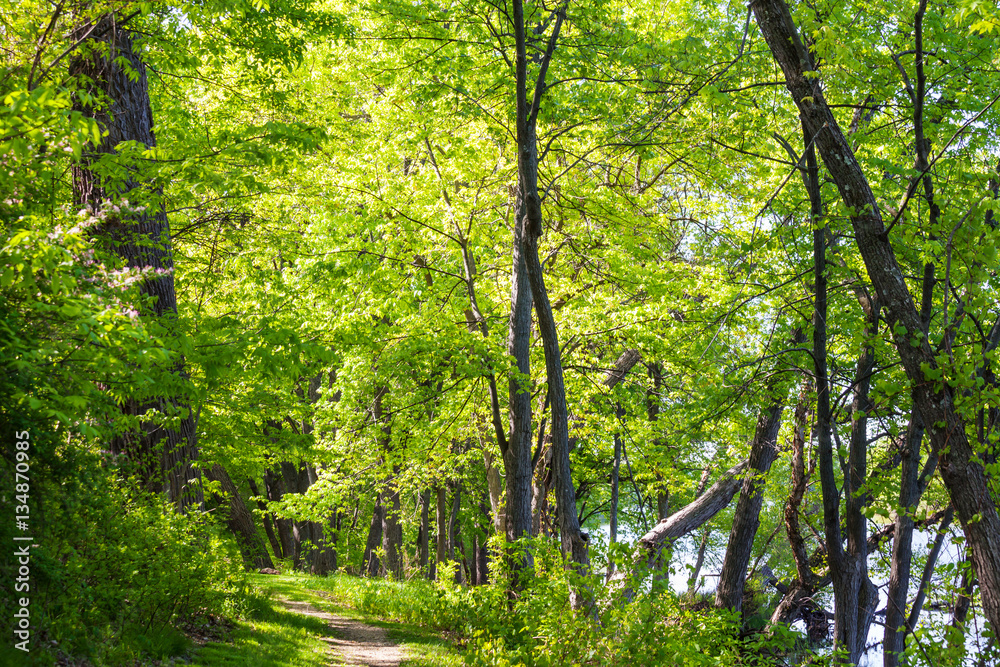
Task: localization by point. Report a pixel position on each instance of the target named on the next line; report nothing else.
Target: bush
(115, 571)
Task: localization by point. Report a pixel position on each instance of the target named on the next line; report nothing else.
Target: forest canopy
(651, 323)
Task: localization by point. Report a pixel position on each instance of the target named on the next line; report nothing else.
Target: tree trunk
(392, 530)
(164, 456)
(680, 523)
(372, 563)
(962, 474)
(267, 516)
(574, 541)
(240, 522)
(746, 520)
(454, 537)
(424, 538)
(442, 527)
(275, 492)
(615, 464)
(902, 546)
(299, 529)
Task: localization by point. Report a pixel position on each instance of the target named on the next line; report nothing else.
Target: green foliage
(537, 627)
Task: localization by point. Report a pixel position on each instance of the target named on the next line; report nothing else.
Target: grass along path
(279, 635)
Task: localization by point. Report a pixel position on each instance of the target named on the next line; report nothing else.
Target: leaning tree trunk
(267, 518)
(961, 471)
(240, 521)
(746, 520)
(109, 69)
(680, 523)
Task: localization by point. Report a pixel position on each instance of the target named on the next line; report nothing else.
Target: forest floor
(302, 626)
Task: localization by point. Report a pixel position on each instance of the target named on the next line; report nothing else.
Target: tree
(965, 478)
(112, 74)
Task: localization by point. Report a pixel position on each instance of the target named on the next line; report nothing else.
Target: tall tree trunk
(372, 563)
(299, 529)
(746, 520)
(454, 537)
(424, 538)
(517, 458)
(165, 456)
(442, 527)
(615, 464)
(961, 472)
(392, 529)
(574, 541)
(902, 545)
(240, 521)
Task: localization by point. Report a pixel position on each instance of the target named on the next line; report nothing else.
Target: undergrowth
(536, 627)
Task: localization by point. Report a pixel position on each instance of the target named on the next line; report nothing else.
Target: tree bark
(424, 538)
(746, 520)
(454, 537)
(962, 474)
(680, 523)
(372, 563)
(392, 529)
(164, 456)
(240, 522)
(442, 527)
(267, 516)
(274, 488)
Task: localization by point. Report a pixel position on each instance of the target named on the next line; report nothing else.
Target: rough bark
(517, 457)
(902, 546)
(240, 521)
(392, 529)
(300, 530)
(164, 456)
(962, 474)
(372, 563)
(746, 520)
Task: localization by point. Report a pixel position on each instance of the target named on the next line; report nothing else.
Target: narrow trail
(359, 644)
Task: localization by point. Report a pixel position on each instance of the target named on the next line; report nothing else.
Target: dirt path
(358, 643)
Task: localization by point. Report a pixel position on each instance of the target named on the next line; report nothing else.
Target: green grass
(276, 637)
